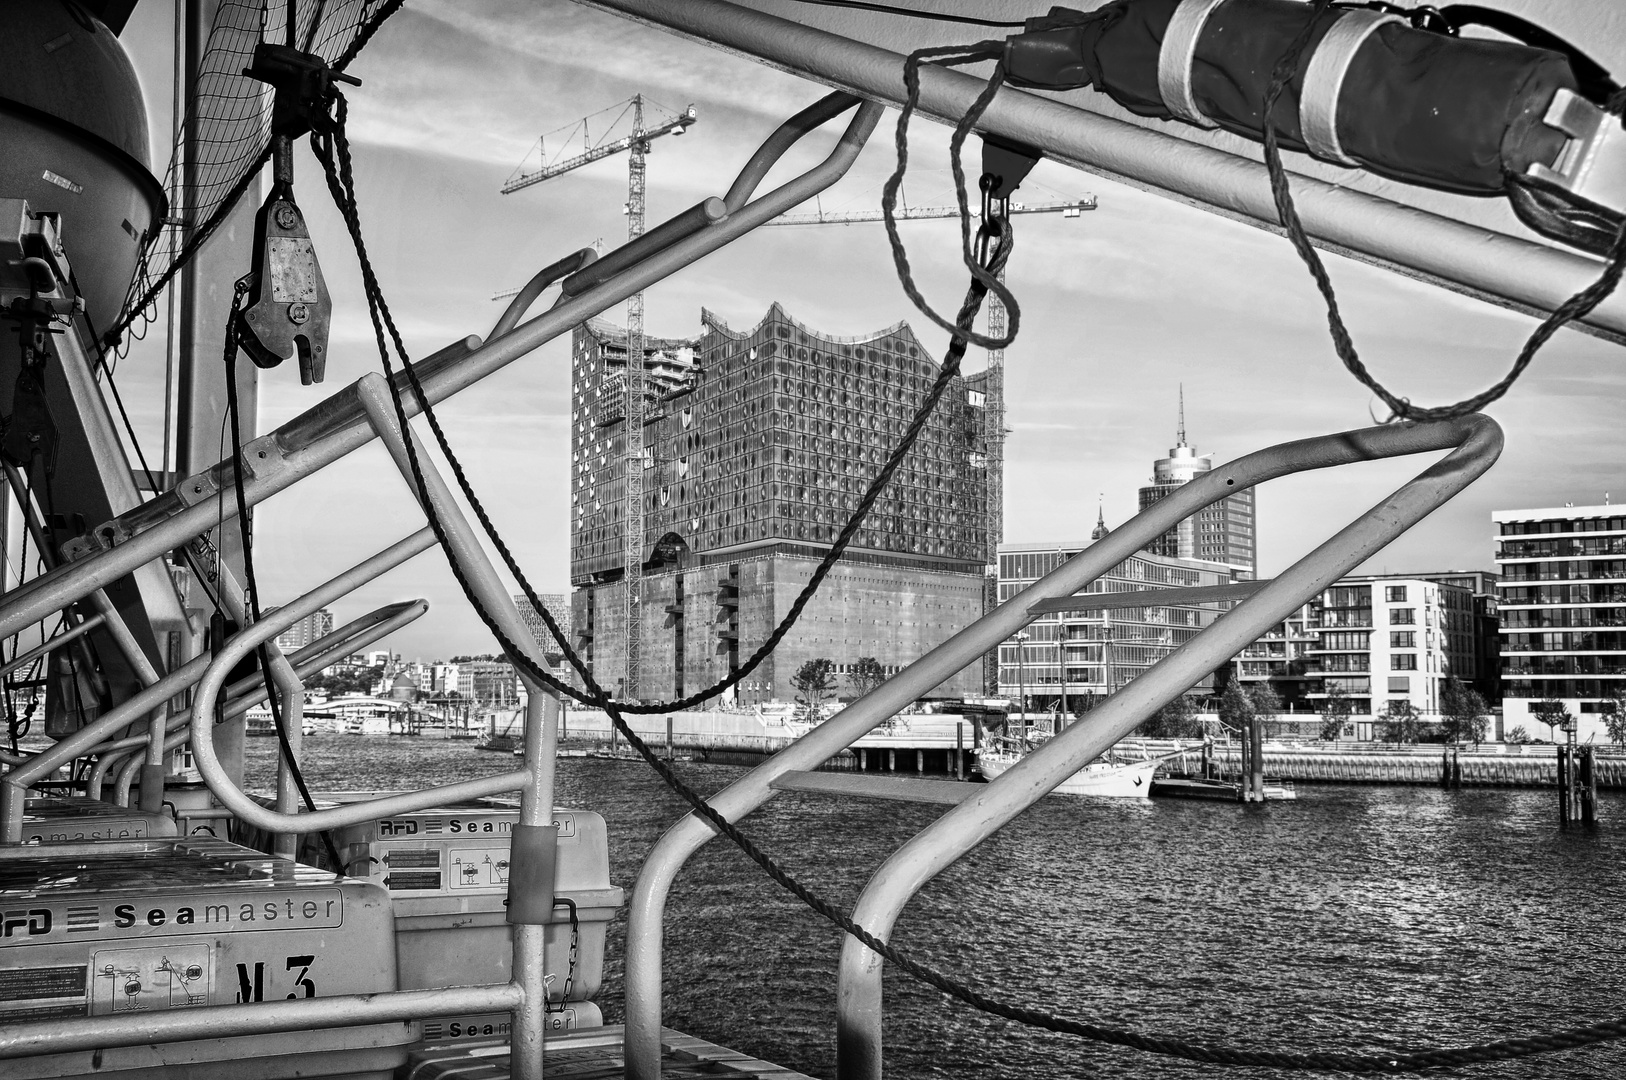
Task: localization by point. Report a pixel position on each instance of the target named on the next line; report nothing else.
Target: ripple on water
(1362, 918)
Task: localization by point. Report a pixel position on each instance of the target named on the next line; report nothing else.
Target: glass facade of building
(1561, 602)
(1102, 650)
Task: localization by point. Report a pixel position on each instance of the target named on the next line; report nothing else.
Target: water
(1367, 919)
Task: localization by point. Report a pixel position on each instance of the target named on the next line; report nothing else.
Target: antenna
(1182, 439)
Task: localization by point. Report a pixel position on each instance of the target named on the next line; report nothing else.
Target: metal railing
(319, 437)
(1475, 443)
(1517, 273)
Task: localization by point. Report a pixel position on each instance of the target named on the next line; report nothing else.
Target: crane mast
(993, 415)
(632, 575)
(637, 147)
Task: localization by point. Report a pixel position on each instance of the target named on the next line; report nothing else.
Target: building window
(1403, 616)
(1395, 594)
(1403, 639)
(1403, 662)
(1400, 684)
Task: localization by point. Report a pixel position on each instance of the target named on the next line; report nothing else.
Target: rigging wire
(334, 154)
(251, 586)
(915, 13)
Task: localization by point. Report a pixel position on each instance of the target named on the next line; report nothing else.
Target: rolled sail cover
(1421, 107)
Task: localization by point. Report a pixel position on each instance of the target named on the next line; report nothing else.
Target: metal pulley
(289, 308)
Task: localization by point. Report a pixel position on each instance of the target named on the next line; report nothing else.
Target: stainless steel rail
(246, 693)
(1477, 442)
(336, 427)
(1479, 436)
(1492, 266)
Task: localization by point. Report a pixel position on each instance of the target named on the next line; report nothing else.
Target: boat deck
(594, 1054)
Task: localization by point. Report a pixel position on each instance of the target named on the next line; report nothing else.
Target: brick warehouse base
(714, 616)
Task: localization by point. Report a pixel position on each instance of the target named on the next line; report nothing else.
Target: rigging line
(250, 585)
(334, 153)
(1576, 307)
(1502, 1050)
(914, 13)
(948, 55)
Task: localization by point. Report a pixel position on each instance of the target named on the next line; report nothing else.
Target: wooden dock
(593, 1054)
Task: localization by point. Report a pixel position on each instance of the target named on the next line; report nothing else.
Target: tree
(1551, 711)
(1401, 722)
(1614, 713)
(1518, 736)
(1176, 720)
(865, 675)
(1335, 711)
(1266, 703)
(1234, 707)
(1464, 712)
(813, 682)
(1084, 703)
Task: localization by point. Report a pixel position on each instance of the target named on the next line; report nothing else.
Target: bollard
(1563, 785)
(1589, 786)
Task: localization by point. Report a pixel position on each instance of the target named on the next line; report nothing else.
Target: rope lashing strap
(1324, 80)
(948, 55)
(1576, 307)
(1175, 57)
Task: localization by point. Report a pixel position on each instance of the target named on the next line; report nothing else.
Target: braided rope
(334, 154)
(949, 55)
(1576, 307)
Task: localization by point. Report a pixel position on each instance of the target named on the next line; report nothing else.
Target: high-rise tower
(1223, 532)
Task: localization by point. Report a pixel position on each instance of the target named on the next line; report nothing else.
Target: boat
(1101, 779)
(160, 605)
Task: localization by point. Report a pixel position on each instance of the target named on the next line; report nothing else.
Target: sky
(1121, 308)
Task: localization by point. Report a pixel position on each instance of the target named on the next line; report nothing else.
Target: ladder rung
(876, 787)
(1146, 598)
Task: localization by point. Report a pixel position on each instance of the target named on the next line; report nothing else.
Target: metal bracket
(1592, 165)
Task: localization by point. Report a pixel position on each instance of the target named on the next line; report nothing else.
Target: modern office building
(1062, 658)
(558, 605)
(1280, 659)
(311, 628)
(1383, 639)
(1223, 532)
(759, 446)
(1562, 606)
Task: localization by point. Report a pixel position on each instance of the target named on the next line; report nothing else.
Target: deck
(594, 1054)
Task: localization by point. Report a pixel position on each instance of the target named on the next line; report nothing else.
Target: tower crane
(637, 145)
(993, 415)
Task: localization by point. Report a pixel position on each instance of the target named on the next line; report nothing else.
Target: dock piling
(1589, 786)
(959, 750)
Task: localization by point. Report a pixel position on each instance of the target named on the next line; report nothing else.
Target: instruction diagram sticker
(479, 868)
(147, 980)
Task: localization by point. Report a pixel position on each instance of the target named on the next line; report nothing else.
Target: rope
(1576, 307)
(333, 151)
(949, 55)
(251, 585)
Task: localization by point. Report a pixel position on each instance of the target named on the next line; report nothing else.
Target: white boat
(1102, 779)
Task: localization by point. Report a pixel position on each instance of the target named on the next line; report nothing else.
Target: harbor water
(1359, 918)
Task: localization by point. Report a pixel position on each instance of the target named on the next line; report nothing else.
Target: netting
(231, 117)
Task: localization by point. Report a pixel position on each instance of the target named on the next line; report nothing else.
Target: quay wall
(1536, 768)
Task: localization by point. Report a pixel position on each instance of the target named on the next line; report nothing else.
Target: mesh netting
(231, 115)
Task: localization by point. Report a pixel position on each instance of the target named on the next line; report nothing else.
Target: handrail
(248, 692)
(1478, 442)
(50, 645)
(1488, 265)
(209, 688)
(14, 784)
(336, 427)
(646, 907)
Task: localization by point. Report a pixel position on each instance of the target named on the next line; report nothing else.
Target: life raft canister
(1468, 115)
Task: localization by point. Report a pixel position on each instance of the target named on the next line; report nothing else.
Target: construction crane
(1072, 208)
(993, 414)
(637, 145)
